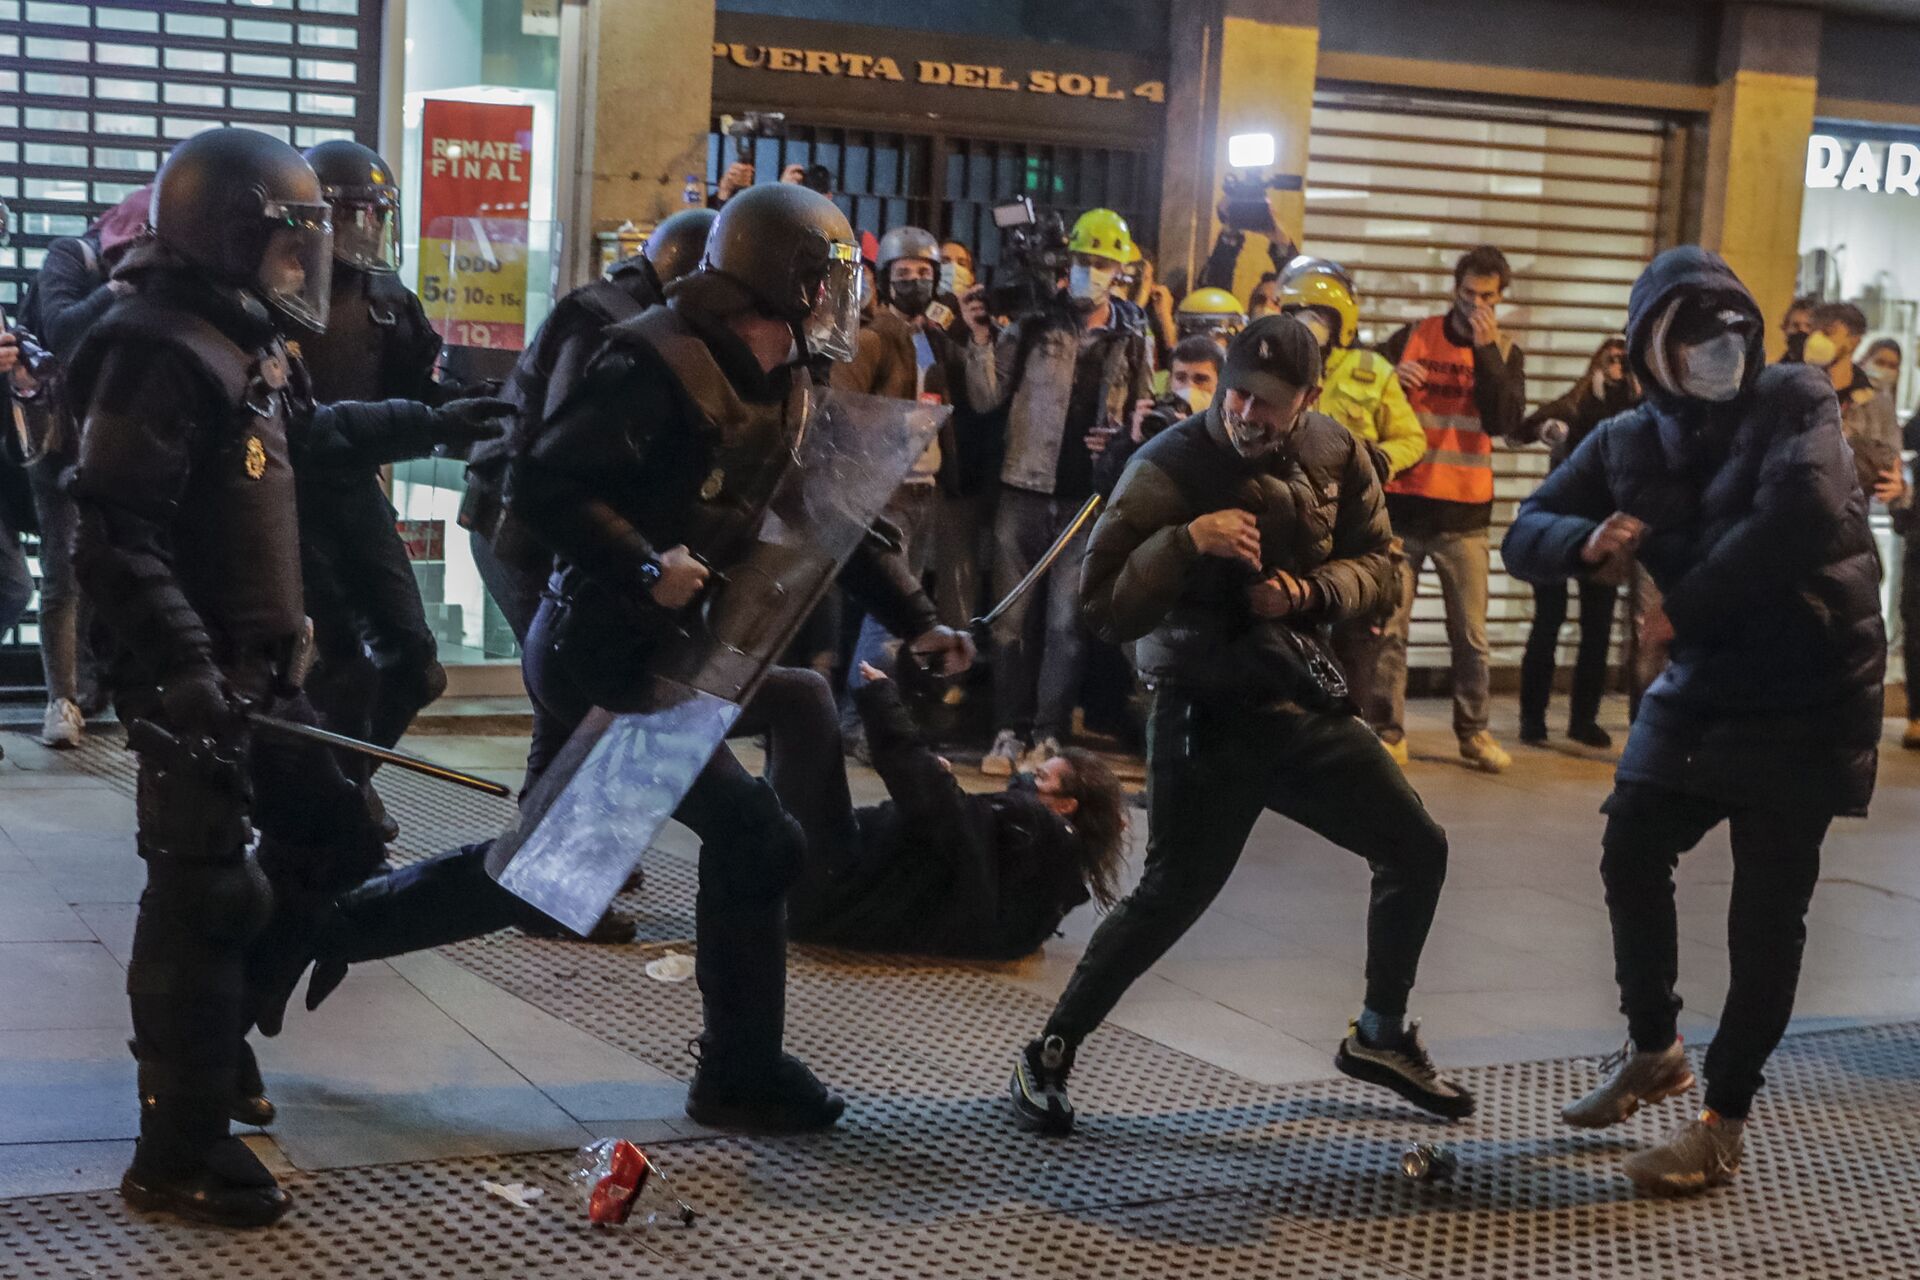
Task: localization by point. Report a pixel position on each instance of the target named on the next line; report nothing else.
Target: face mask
(1090, 284)
(955, 277)
(1024, 782)
(912, 297)
(1712, 370)
(1883, 376)
(1796, 346)
(1197, 398)
(1820, 350)
(1249, 439)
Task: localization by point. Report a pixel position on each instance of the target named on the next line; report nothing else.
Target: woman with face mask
(1605, 389)
(1732, 485)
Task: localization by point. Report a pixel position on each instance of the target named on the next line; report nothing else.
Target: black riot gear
(366, 204)
(794, 252)
(247, 210)
(676, 245)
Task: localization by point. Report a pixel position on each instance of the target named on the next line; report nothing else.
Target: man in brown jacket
(1231, 539)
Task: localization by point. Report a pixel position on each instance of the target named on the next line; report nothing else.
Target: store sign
(800, 64)
(1891, 168)
(475, 197)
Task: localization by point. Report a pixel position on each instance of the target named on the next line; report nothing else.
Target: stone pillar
(648, 103)
(1235, 66)
(1757, 147)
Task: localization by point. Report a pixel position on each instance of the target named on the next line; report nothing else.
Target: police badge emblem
(256, 460)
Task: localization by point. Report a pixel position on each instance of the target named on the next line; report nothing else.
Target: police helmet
(247, 209)
(794, 252)
(366, 204)
(675, 246)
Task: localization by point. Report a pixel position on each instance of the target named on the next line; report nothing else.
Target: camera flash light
(1250, 150)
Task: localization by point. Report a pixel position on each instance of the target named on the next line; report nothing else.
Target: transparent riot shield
(620, 777)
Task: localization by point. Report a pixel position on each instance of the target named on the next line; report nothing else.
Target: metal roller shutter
(1399, 186)
(93, 95)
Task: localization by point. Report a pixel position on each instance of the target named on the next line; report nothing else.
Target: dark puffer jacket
(1757, 537)
(1321, 518)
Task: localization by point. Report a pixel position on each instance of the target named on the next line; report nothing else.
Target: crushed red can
(611, 1171)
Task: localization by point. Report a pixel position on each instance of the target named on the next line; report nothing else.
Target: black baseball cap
(1272, 358)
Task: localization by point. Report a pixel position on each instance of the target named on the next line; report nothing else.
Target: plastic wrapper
(609, 1174)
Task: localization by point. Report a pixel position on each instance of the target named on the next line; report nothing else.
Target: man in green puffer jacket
(1231, 539)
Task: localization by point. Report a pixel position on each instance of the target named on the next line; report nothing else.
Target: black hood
(1688, 269)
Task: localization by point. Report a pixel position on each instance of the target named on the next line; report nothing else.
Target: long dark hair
(1099, 822)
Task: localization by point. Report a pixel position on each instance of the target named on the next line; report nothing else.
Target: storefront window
(479, 167)
(1860, 212)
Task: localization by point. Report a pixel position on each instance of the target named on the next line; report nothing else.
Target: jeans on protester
(1776, 862)
(914, 510)
(60, 641)
(1039, 648)
(1213, 765)
(1543, 643)
(1461, 561)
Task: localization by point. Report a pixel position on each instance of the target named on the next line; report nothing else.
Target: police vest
(234, 536)
(1459, 462)
(374, 347)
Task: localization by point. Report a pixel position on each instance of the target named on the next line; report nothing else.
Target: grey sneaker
(1003, 757)
(1703, 1153)
(1404, 1067)
(64, 726)
(1044, 750)
(1635, 1079)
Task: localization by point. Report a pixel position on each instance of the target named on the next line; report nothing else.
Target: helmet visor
(296, 271)
(832, 329)
(1212, 326)
(366, 236)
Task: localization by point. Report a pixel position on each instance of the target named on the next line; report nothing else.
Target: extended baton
(1086, 513)
(386, 755)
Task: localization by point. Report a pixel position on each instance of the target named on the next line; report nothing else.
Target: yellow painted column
(1266, 86)
(1235, 66)
(649, 104)
(1756, 151)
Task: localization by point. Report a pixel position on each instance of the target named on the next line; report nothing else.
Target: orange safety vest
(1459, 462)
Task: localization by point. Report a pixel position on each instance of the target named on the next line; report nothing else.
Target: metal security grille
(950, 184)
(93, 95)
(1399, 187)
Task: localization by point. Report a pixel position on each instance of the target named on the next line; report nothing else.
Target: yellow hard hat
(1103, 232)
(1316, 282)
(1210, 311)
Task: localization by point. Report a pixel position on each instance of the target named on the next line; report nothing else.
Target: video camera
(1033, 257)
(1167, 409)
(744, 129)
(1243, 198)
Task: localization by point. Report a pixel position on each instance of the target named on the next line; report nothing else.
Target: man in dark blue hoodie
(1732, 485)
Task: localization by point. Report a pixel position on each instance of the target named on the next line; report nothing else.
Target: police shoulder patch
(256, 459)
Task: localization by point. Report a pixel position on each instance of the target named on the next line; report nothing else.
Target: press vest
(1459, 462)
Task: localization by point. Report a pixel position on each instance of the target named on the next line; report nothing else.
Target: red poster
(475, 199)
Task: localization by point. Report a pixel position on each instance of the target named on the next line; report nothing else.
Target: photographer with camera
(1243, 208)
(1068, 371)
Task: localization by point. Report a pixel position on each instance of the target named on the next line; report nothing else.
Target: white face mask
(1712, 370)
(1197, 398)
(1090, 284)
(1820, 350)
(1251, 439)
(1882, 376)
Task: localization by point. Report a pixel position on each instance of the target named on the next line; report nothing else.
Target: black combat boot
(186, 1163)
(781, 1096)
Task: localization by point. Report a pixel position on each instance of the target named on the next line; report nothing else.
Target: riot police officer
(513, 565)
(659, 466)
(378, 663)
(193, 419)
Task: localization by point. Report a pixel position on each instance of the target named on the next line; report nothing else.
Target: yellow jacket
(1361, 392)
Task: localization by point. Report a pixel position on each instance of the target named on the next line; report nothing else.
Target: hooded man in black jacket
(1734, 487)
(1230, 538)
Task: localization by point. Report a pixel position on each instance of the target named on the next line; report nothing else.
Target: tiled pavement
(426, 1059)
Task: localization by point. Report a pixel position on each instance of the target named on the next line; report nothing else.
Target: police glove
(460, 423)
(198, 702)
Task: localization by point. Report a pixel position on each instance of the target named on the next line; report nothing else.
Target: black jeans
(1212, 766)
(1776, 862)
(1590, 668)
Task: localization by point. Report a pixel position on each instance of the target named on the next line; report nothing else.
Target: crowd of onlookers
(1050, 403)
